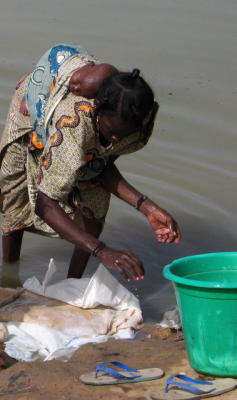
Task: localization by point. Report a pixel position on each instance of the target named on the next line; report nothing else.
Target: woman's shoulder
(75, 106)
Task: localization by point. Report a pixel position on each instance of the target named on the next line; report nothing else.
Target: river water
(186, 49)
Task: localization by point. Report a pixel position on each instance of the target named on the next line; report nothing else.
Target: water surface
(186, 49)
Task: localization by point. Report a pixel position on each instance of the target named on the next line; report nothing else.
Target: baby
(84, 82)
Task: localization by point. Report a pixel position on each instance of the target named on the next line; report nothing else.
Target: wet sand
(60, 381)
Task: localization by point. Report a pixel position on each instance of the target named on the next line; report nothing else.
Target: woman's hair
(128, 95)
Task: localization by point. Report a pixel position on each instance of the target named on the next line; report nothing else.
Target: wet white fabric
(170, 319)
(120, 316)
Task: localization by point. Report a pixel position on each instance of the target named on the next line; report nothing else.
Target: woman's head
(125, 100)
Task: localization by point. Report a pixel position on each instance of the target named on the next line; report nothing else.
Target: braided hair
(128, 95)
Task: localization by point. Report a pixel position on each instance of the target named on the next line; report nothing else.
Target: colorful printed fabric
(66, 169)
(74, 153)
(43, 80)
(17, 125)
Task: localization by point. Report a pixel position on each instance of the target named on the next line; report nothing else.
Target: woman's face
(114, 129)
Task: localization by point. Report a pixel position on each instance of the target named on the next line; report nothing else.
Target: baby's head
(87, 80)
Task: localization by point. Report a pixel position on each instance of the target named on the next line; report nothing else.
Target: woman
(64, 188)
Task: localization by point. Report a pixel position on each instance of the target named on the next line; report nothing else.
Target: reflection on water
(187, 51)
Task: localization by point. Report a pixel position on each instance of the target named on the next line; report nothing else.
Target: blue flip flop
(105, 375)
(194, 389)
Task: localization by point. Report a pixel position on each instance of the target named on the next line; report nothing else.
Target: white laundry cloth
(119, 316)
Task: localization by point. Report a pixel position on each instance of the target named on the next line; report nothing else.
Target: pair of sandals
(177, 387)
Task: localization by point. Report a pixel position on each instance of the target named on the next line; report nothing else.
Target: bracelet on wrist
(141, 199)
(100, 246)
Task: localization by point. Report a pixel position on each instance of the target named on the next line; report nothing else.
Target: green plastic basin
(206, 292)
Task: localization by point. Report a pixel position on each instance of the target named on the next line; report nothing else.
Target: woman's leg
(80, 257)
(11, 246)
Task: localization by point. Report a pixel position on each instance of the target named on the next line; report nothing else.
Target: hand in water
(164, 226)
(124, 262)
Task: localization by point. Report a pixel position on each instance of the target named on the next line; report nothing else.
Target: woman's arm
(126, 263)
(165, 227)
(51, 212)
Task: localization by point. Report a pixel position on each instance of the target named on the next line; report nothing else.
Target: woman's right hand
(124, 262)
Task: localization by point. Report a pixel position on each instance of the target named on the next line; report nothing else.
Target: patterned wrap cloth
(66, 168)
(43, 79)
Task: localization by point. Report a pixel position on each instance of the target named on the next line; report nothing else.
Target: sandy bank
(60, 381)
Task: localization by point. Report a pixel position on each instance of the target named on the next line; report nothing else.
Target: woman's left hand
(164, 226)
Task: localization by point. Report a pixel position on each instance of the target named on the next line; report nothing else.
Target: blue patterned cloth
(41, 81)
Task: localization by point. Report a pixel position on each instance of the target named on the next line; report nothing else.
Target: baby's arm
(23, 107)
